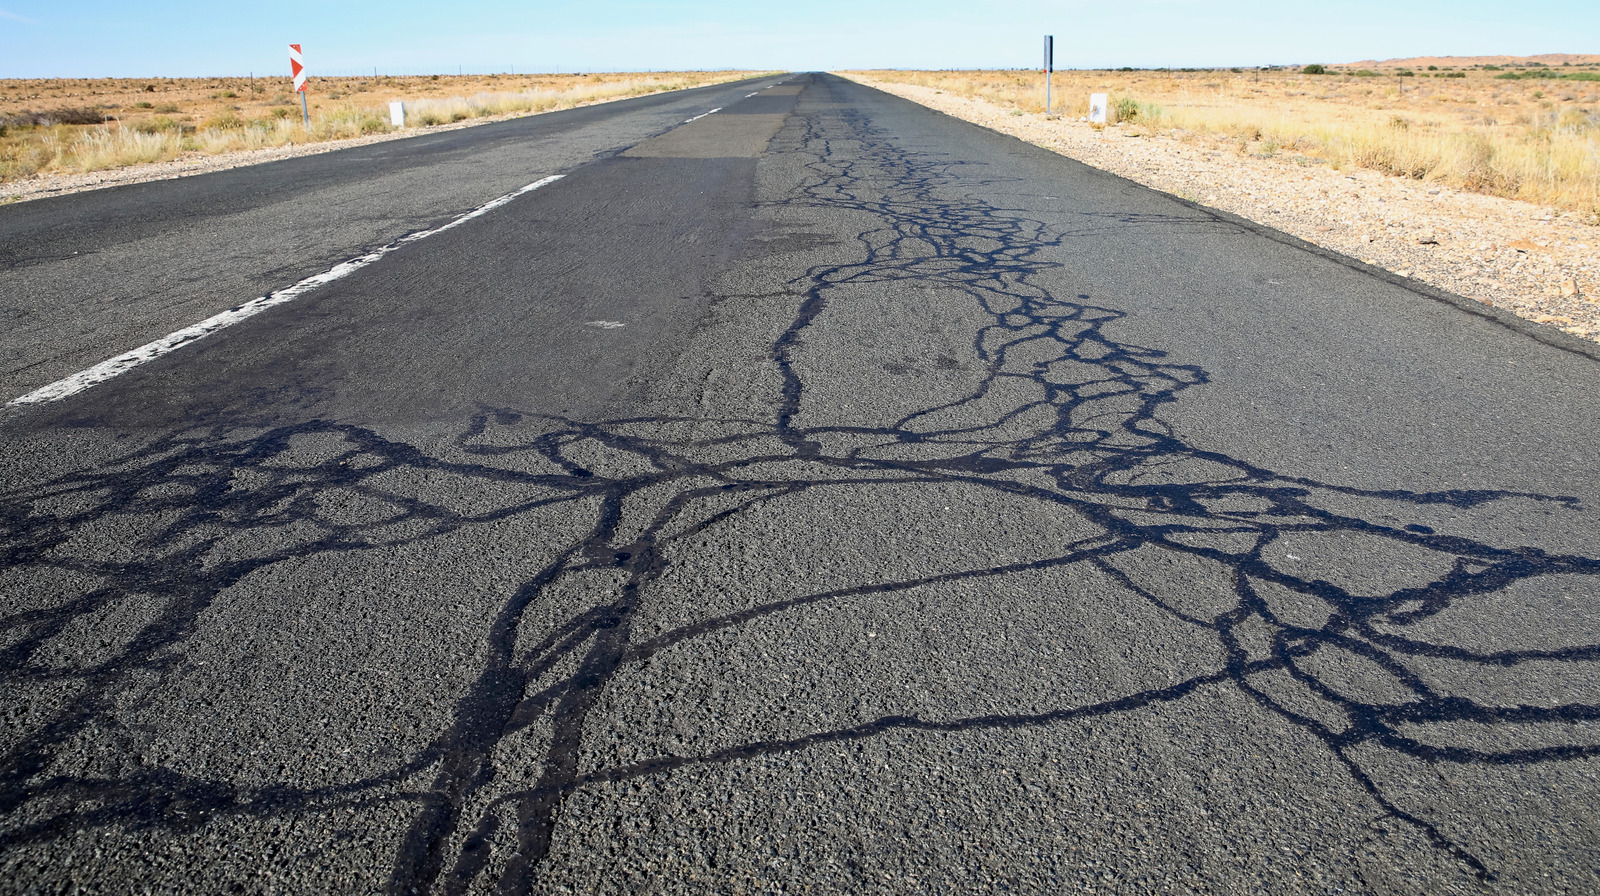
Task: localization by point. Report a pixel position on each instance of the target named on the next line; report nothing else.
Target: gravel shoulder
(1535, 262)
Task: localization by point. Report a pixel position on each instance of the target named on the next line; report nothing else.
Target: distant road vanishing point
(774, 487)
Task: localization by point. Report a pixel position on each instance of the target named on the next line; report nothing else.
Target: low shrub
(1314, 70)
(53, 117)
(157, 125)
(222, 121)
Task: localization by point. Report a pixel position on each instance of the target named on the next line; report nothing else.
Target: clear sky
(66, 38)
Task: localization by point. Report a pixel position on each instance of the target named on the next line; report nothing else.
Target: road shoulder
(1510, 255)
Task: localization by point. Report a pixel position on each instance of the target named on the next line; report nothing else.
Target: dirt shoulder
(1529, 260)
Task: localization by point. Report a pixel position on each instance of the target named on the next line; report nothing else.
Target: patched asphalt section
(876, 505)
(88, 276)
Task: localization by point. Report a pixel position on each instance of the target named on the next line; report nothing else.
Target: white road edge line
(123, 363)
(703, 115)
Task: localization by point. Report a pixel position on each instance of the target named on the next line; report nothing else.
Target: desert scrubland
(1482, 185)
(68, 126)
(1529, 132)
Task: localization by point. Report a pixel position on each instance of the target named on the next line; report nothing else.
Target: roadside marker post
(297, 68)
(1097, 108)
(397, 114)
(1049, 69)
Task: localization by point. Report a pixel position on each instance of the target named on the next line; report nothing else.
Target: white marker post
(1097, 108)
(397, 114)
(1049, 68)
(297, 67)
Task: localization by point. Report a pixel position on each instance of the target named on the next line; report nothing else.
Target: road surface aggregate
(820, 495)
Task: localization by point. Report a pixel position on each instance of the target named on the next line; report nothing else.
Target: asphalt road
(823, 495)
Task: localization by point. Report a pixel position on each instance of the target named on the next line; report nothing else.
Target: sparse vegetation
(1311, 70)
(52, 118)
(1478, 133)
(1547, 75)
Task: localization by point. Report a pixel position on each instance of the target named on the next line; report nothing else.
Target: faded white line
(749, 95)
(703, 115)
(123, 363)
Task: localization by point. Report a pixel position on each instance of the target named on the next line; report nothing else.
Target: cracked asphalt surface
(824, 495)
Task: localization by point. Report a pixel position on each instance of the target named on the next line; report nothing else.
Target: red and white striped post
(297, 68)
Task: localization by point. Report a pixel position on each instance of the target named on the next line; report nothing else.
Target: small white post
(1097, 108)
(397, 114)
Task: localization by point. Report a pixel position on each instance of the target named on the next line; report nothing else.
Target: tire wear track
(1088, 441)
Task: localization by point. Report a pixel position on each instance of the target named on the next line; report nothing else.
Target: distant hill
(1465, 61)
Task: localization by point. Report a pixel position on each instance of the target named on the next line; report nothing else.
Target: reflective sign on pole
(1049, 66)
(297, 67)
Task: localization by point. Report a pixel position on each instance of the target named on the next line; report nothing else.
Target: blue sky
(61, 38)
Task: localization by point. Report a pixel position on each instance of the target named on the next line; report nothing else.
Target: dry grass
(1536, 139)
(93, 124)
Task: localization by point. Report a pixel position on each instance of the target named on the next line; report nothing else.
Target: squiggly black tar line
(1064, 415)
